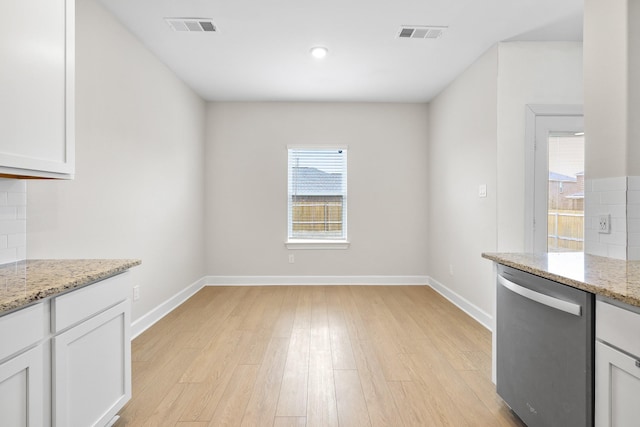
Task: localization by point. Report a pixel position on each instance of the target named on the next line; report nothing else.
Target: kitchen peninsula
(607, 277)
(612, 356)
(65, 329)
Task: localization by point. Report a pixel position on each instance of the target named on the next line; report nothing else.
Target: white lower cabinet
(21, 387)
(618, 388)
(66, 362)
(22, 363)
(91, 369)
(617, 380)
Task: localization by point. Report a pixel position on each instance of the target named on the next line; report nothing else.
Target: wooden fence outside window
(565, 231)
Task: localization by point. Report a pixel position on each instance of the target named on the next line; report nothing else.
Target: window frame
(302, 243)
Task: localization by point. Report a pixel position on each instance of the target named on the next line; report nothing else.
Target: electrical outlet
(136, 293)
(292, 258)
(604, 224)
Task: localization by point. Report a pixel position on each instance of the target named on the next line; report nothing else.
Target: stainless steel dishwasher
(545, 350)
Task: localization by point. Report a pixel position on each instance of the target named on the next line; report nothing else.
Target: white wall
(606, 87)
(138, 191)
(462, 155)
(478, 137)
(246, 187)
(528, 73)
(612, 105)
(633, 124)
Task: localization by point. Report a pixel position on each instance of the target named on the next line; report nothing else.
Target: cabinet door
(21, 384)
(92, 369)
(36, 87)
(617, 388)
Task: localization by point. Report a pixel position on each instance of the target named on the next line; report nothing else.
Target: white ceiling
(261, 49)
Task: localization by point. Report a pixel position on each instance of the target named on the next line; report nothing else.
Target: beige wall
(246, 187)
(138, 191)
(528, 73)
(462, 155)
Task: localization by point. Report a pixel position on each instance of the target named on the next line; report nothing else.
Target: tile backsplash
(606, 196)
(633, 218)
(620, 198)
(13, 220)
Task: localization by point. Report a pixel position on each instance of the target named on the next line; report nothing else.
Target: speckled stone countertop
(26, 282)
(613, 278)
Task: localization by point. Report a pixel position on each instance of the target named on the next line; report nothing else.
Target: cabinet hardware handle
(637, 363)
(556, 303)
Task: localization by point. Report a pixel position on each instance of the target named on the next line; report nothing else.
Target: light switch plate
(482, 190)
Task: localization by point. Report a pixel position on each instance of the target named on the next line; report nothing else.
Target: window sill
(317, 244)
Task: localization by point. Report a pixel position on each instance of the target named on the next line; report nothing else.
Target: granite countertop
(609, 277)
(26, 282)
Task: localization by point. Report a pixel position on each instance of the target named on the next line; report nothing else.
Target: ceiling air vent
(416, 32)
(191, 24)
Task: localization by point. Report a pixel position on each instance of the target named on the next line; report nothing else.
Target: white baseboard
(149, 319)
(463, 304)
(315, 280)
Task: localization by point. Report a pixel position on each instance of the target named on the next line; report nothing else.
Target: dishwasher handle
(558, 304)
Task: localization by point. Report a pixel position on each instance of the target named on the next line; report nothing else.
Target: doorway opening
(554, 184)
(565, 201)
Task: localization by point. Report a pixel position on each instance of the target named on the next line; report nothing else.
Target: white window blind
(317, 194)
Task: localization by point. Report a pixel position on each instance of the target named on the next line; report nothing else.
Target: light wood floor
(315, 356)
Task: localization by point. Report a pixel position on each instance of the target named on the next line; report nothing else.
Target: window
(317, 197)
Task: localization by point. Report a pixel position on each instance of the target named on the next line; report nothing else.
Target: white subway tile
(618, 211)
(633, 183)
(17, 240)
(633, 225)
(3, 199)
(633, 197)
(588, 185)
(617, 251)
(3, 241)
(8, 213)
(13, 226)
(17, 199)
(610, 184)
(8, 255)
(21, 253)
(591, 235)
(21, 212)
(633, 211)
(596, 248)
(633, 253)
(619, 225)
(591, 200)
(609, 239)
(606, 197)
(13, 185)
(634, 239)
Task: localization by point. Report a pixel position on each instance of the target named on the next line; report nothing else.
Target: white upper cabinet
(37, 88)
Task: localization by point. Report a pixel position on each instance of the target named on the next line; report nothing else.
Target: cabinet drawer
(81, 304)
(618, 326)
(21, 329)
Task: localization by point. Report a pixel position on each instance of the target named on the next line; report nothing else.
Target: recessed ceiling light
(319, 52)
